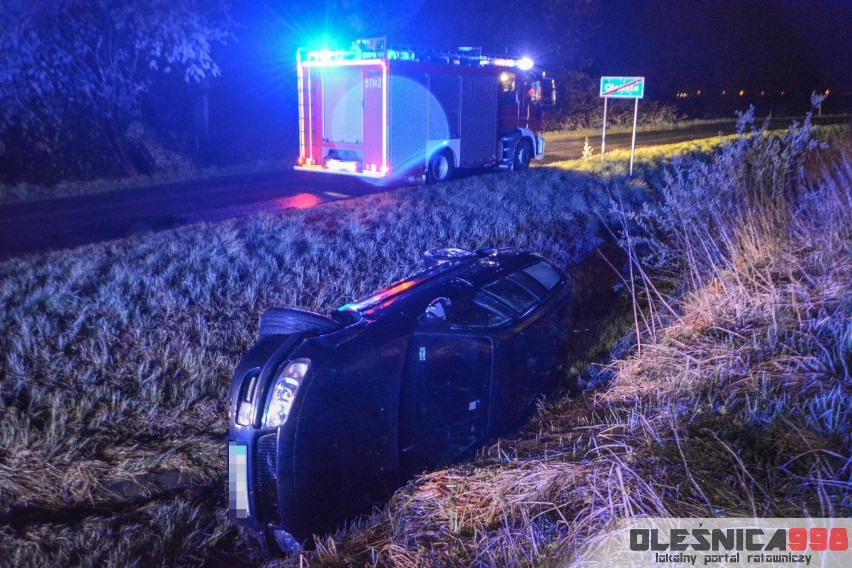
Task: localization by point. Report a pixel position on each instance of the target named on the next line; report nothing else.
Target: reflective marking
(422, 353)
(384, 168)
(334, 194)
(301, 110)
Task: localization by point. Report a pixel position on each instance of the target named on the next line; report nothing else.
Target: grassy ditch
(734, 399)
(117, 357)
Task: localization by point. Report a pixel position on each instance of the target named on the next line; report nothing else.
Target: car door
(444, 398)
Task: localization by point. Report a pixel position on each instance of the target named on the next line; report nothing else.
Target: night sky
(756, 45)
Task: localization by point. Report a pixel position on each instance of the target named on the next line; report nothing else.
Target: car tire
(440, 167)
(523, 155)
(436, 256)
(287, 321)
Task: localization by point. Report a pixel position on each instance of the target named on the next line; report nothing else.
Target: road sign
(623, 87)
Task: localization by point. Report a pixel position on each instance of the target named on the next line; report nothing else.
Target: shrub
(746, 196)
(580, 106)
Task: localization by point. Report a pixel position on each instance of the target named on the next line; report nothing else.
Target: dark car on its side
(329, 415)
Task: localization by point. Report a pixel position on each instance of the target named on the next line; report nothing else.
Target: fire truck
(385, 112)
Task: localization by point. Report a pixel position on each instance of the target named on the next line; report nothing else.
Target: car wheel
(434, 257)
(440, 167)
(523, 155)
(287, 321)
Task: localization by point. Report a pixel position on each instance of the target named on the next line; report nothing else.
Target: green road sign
(623, 87)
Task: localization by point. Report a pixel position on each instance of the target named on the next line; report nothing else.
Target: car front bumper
(238, 493)
(253, 487)
(255, 472)
(253, 475)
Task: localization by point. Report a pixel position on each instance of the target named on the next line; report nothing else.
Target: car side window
(474, 310)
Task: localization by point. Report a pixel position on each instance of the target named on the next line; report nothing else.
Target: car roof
(473, 271)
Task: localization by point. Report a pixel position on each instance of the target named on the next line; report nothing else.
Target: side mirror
(548, 93)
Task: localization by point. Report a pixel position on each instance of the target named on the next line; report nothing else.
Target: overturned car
(329, 415)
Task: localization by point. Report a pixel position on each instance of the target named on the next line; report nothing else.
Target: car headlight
(284, 392)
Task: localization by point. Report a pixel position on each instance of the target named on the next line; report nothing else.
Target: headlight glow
(284, 392)
(244, 414)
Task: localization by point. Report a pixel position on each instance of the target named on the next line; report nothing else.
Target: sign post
(603, 133)
(622, 88)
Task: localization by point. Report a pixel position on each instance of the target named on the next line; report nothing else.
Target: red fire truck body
(378, 111)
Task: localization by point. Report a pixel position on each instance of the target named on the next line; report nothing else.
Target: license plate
(238, 480)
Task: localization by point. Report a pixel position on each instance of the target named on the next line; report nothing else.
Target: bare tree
(80, 68)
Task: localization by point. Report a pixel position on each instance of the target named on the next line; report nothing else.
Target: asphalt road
(557, 150)
(39, 226)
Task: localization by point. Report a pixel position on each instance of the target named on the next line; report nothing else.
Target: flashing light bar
(362, 50)
(524, 63)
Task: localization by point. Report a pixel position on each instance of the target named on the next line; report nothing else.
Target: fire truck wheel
(523, 155)
(440, 167)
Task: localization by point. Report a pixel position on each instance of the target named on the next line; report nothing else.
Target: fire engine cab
(382, 111)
